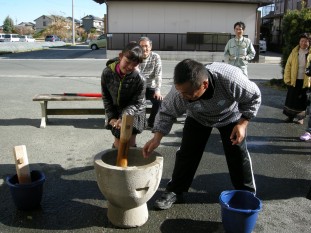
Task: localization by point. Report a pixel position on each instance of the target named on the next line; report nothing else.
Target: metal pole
(73, 25)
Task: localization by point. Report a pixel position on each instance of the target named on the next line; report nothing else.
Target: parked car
(100, 42)
(262, 46)
(26, 38)
(2, 37)
(52, 38)
(11, 38)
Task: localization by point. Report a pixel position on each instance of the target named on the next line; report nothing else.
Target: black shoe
(289, 120)
(167, 200)
(149, 127)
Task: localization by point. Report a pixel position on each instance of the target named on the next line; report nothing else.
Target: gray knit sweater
(151, 68)
(229, 96)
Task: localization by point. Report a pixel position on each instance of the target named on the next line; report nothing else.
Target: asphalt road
(80, 61)
(64, 151)
(66, 52)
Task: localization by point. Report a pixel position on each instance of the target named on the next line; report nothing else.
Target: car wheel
(94, 47)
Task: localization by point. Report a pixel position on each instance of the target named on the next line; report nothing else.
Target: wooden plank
(60, 97)
(79, 111)
(75, 111)
(45, 111)
(22, 164)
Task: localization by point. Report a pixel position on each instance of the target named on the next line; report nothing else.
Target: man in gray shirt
(212, 96)
(151, 68)
(239, 50)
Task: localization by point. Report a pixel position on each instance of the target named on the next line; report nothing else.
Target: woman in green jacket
(297, 81)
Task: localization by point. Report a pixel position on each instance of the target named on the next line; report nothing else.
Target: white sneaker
(305, 137)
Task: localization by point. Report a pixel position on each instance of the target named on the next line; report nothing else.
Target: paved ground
(72, 202)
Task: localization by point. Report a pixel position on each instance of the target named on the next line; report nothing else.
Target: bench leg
(44, 105)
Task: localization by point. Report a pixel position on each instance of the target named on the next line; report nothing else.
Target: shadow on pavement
(72, 200)
(86, 123)
(188, 225)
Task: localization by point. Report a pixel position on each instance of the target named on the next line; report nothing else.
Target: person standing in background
(307, 135)
(297, 81)
(151, 69)
(239, 50)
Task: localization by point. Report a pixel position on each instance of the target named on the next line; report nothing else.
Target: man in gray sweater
(219, 96)
(151, 68)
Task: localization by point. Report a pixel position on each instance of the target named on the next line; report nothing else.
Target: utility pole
(73, 24)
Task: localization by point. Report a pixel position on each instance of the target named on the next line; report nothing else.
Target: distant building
(77, 22)
(273, 20)
(91, 22)
(27, 25)
(46, 20)
(25, 28)
(184, 25)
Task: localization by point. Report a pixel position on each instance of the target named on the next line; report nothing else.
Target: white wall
(181, 17)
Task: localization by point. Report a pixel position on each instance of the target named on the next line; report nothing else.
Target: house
(91, 22)
(25, 28)
(272, 21)
(28, 25)
(197, 25)
(44, 21)
(77, 22)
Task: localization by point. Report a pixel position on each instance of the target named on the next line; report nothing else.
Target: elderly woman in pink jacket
(297, 81)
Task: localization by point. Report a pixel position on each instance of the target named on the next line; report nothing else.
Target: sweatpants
(188, 157)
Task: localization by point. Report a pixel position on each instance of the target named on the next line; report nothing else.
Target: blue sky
(29, 10)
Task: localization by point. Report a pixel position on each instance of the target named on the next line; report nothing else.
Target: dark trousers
(156, 104)
(188, 157)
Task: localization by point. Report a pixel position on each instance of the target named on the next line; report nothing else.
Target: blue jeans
(156, 104)
(188, 157)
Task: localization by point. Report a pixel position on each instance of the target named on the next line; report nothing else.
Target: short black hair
(305, 35)
(191, 71)
(134, 52)
(241, 24)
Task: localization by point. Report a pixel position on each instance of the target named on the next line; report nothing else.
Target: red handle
(85, 94)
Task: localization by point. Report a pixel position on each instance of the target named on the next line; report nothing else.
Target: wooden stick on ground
(125, 136)
(22, 165)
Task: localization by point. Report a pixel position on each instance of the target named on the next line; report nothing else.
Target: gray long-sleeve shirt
(229, 96)
(238, 52)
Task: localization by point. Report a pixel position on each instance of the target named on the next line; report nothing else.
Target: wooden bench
(45, 111)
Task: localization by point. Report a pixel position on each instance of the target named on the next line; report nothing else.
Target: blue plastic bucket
(27, 196)
(239, 210)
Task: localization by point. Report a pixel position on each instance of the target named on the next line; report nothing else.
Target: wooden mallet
(125, 136)
(22, 164)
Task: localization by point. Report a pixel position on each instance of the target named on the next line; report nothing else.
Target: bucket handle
(247, 211)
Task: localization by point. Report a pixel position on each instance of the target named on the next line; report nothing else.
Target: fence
(212, 42)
